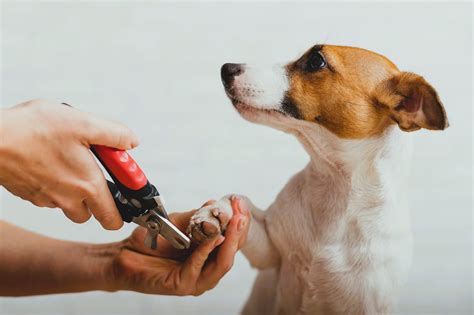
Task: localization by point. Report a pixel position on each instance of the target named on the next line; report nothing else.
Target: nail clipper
(137, 199)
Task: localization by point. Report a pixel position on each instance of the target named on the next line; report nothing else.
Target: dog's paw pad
(209, 221)
(209, 229)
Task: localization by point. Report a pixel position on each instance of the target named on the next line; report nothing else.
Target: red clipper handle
(121, 166)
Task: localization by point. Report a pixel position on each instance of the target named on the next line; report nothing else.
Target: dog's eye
(315, 62)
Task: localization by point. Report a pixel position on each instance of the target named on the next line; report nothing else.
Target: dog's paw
(210, 220)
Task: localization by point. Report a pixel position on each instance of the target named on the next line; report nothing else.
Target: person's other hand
(178, 272)
(45, 159)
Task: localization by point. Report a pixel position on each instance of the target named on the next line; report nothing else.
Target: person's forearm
(32, 264)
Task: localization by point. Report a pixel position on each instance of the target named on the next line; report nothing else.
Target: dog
(337, 239)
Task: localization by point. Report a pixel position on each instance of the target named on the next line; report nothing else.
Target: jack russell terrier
(337, 239)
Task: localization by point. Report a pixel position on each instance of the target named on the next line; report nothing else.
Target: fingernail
(242, 224)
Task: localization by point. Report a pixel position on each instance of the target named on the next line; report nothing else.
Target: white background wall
(156, 67)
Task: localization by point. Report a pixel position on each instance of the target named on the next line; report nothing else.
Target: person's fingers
(236, 230)
(181, 219)
(192, 267)
(78, 213)
(101, 204)
(163, 250)
(109, 133)
(105, 212)
(44, 204)
(42, 201)
(239, 207)
(225, 257)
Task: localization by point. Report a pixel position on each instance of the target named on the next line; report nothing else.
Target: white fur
(262, 87)
(337, 238)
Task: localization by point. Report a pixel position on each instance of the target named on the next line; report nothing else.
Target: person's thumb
(181, 219)
(110, 133)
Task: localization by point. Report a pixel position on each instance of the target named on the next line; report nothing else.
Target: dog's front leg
(212, 219)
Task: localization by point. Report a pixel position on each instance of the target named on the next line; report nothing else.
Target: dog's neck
(363, 167)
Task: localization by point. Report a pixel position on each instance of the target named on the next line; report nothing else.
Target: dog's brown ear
(412, 102)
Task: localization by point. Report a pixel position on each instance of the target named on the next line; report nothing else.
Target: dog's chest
(334, 244)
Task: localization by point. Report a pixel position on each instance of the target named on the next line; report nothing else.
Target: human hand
(45, 159)
(178, 272)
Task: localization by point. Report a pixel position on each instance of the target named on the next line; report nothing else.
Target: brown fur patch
(413, 103)
(340, 96)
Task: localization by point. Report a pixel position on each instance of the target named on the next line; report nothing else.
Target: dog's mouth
(243, 107)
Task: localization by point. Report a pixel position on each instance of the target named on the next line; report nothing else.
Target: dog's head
(351, 92)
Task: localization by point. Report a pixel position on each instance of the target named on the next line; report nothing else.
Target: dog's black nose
(229, 71)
